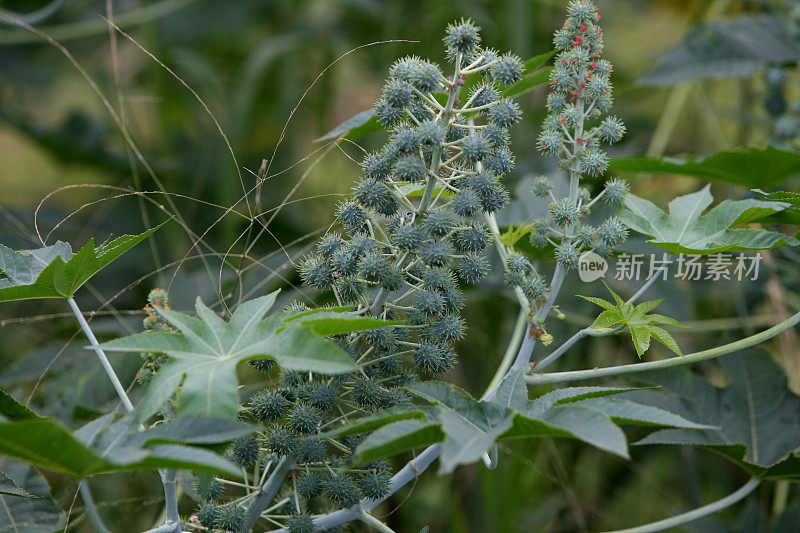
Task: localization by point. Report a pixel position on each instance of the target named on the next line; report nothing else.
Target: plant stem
(513, 345)
(169, 479)
(101, 355)
(91, 508)
(267, 492)
(700, 512)
(579, 375)
(374, 522)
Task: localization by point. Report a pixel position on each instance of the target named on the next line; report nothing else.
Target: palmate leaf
(752, 167)
(365, 123)
(203, 357)
(32, 510)
(104, 446)
(686, 230)
(756, 414)
(468, 428)
(55, 271)
(642, 326)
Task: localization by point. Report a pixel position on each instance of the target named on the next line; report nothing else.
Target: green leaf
(336, 323)
(512, 235)
(755, 415)
(640, 325)
(397, 437)
(204, 355)
(26, 501)
(730, 48)
(381, 418)
(528, 83)
(685, 230)
(355, 127)
(12, 409)
(54, 271)
(753, 167)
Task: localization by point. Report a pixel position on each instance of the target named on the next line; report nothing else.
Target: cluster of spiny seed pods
(581, 94)
(412, 231)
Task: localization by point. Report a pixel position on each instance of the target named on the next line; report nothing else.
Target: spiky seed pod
(616, 191)
(304, 419)
(208, 490)
(393, 278)
(373, 267)
(403, 67)
(377, 166)
(453, 299)
(383, 339)
(541, 186)
(398, 93)
(482, 183)
(316, 272)
(281, 440)
(455, 133)
(473, 268)
(496, 135)
(406, 140)
(475, 146)
(387, 114)
(362, 245)
(611, 130)
(406, 237)
(538, 240)
(409, 168)
(374, 485)
(342, 491)
(471, 239)
(466, 203)
(507, 70)
(462, 38)
(345, 262)
(427, 77)
(586, 235)
(505, 113)
(367, 393)
(598, 87)
(439, 222)
(484, 94)
(564, 212)
(567, 255)
(287, 392)
(430, 302)
(329, 244)
(263, 365)
(500, 161)
(291, 378)
(352, 217)
(436, 253)
(445, 328)
(230, 517)
(434, 358)
(319, 395)
(550, 142)
(300, 523)
(594, 162)
(571, 116)
(207, 515)
(245, 451)
(309, 486)
(612, 232)
(310, 451)
(518, 268)
(372, 194)
(437, 278)
(556, 102)
(535, 288)
(430, 133)
(582, 11)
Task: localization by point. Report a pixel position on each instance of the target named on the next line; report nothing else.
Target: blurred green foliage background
(255, 65)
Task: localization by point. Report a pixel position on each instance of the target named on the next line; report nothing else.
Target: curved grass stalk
(695, 514)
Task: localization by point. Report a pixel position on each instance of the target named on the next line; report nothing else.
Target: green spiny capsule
(406, 237)
(453, 299)
(300, 523)
(535, 288)
(430, 133)
(586, 235)
(403, 67)
(434, 358)
(377, 166)
(611, 130)
(594, 162)
(398, 94)
(374, 485)
(439, 222)
(550, 142)
(612, 232)
(616, 191)
(427, 77)
(437, 278)
(495, 199)
(517, 269)
(316, 272)
(208, 489)
(319, 395)
(342, 491)
(304, 419)
(504, 113)
(310, 451)
(367, 393)
(541, 186)
(567, 255)
(497, 135)
(466, 203)
(352, 216)
(483, 95)
(507, 70)
(230, 517)
(281, 440)
(471, 239)
(462, 38)
(430, 302)
(564, 212)
(445, 328)
(409, 168)
(309, 486)
(268, 405)
(387, 114)
(500, 161)
(373, 267)
(475, 147)
(406, 140)
(245, 451)
(473, 268)
(436, 253)
(207, 515)
(263, 365)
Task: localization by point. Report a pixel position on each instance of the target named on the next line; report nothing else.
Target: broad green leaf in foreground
(31, 511)
(686, 230)
(55, 271)
(756, 413)
(752, 167)
(103, 446)
(204, 355)
(467, 428)
(636, 318)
